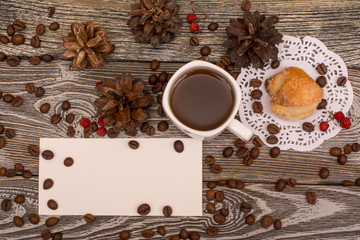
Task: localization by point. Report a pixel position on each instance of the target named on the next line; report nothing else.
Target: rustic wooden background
(335, 216)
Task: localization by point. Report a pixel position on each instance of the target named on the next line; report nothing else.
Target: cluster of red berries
(194, 27)
(101, 131)
(340, 117)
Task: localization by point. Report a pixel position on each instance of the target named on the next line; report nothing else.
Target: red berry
(85, 122)
(339, 116)
(101, 132)
(99, 83)
(345, 123)
(101, 121)
(324, 126)
(194, 27)
(191, 18)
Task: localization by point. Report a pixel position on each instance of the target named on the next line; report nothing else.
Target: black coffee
(202, 99)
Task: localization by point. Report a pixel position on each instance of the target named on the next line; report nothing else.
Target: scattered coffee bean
(348, 183)
(194, 236)
(4, 40)
(178, 146)
(257, 107)
(342, 159)
(17, 101)
(311, 197)
(213, 26)
(29, 87)
(34, 60)
(35, 42)
(134, 144)
(273, 129)
(347, 149)
(221, 65)
(246, 5)
(17, 39)
(194, 41)
(212, 231)
(39, 92)
(3, 170)
(275, 64)
(274, 152)
(144, 209)
(48, 183)
(154, 64)
(125, 235)
(10, 30)
(19, 25)
(324, 173)
(147, 233)
(47, 154)
(46, 58)
(215, 168)
(163, 126)
(355, 147)
(231, 183)
(239, 143)
(52, 204)
(167, 211)
(209, 159)
(219, 218)
(256, 94)
(51, 11)
(175, 237)
(205, 51)
(321, 81)
(13, 61)
(163, 76)
(258, 142)
(18, 221)
(211, 184)
(248, 160)
(152, 79)
(40, 29)
(68, 162)
(292, 182)
(156, 88)
(51, 221)
(222, 183)
(9, 133)
(335, 151)
(308, 127)
(34, 218)
(255, 83)
(65, 105)
(88, 131)
(10, 173)
(224, 212)
(161, 230)
(322, 104)
(210, 195)
(277, 224)
(341, 81)
(161, 111)
(71, 131)
(55, 119)
(226, 60)
(219, 196)
(18, 167)
(2, 129)
(322, 69)
(239, 184)
(272, 139)
(2, 58)
(6, 205)
(210, 207)
(2, 142)
(89, 218)
(227, 152)
(357, 182)
(150, 131)
(254, 153)
(250, 219)
(245, 207)
(280, 185)
(70, 118)
(26, 174)
(267, 221)
(54, 26)
(242, 152)
(46, 234)
(20, 199)
(57, 236)
(230, 68)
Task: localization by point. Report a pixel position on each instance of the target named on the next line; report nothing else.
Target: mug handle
(239, 129)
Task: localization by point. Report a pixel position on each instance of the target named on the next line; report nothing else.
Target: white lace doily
(306, 54)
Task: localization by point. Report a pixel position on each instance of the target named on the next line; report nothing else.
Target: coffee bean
(347, 149)
(144, 209)
(292, 182)
(57, 236)
(34, 218)
(89, 218)
(153, 79)
(18, 221)
(231, 183)
(273, 129)
(150, 131)
(205, 51)
(322, 104)
(246, 5)
(87, 131)
(210, 207)
(239, 184)
(147, 233)
(342, 159)
(159, 98)
(10, 173)
(248, 160)
(272, 139)
(47, 154)
(322, 69)
(215, 168)
(267, 221)
(17, 101)
(239, 143)
(40, 29)
(277, 224)
(178, 146)
(18, 167)
(48, 183)
(254, 152)
(175, 237)
(211, 184)
(227, 152)
(17, 39)
(161, 230)
(194, 236)
(3, 170)
(51, 221)
(71, 131)
(9, 133)
(224, 212)
(19, 199)
(94, 126)
(242, 152)
(221, 65)
(235, 75)
(163, 76)
(55, 119)
(6, 205)
(2, 58)
(213, 26)
(34, 60)
(52, 204)
(355, 147)
(274, 152)
(10, 30)
(348, 183)
(308, 127)
(35, 42)
(210, 195)
(250, 219)
(280, 185)
(222, 183)
(46, 234)
(46, 58)
(257, 107)
(161, 111)
(245, 207)
(324, 173)
(183, 234)
(44, 108)
(255, 83)
(19, 25)
(226, 60)
(4, 40)
(209, 159)
(219, 218)
(275, 64)
(212, 231)
(54, 26)
(341, 81)
(29, 87)
(357, 182)
(39, 92)
(258, 142)
(335, 151)
(13, 61)
(230, 68)
(256, 94)
(2, 129)
(156, 88)
(51, 11)
(70, 118)
(219, 196)
(154, 65)
(163, 126)
(311, 197)
(125, 235)
(321, 81)
(65, 105)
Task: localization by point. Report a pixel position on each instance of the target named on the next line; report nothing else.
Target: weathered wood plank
(61, 84)
(335, 215)
(337, 25)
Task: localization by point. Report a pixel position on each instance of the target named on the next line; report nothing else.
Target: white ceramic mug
(231, 123)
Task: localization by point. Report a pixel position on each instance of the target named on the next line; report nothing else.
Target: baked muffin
(294, 94)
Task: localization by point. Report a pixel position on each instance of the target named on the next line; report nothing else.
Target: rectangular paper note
(110, 178)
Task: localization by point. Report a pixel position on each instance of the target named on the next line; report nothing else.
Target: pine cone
(252, 39)
(123, 103)
(155, 21)
(87, 45)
